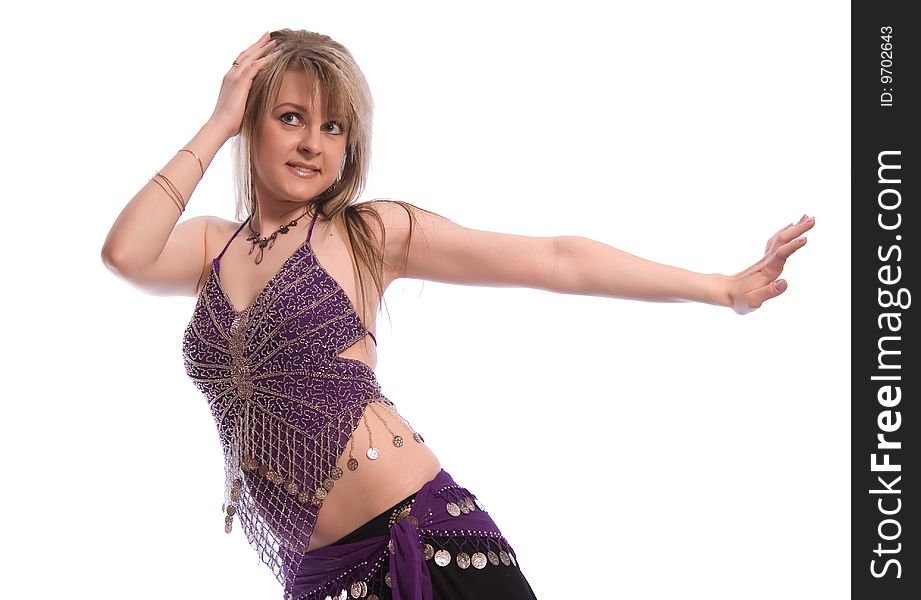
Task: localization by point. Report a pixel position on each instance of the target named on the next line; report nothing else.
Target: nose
(311, 141)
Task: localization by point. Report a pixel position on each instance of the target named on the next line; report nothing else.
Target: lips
(303, 167)
(303, 170)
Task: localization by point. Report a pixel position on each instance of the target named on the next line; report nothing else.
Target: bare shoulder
(218, 232)
(400, 217)
(217, 226)
(403, 224)
(214, 233)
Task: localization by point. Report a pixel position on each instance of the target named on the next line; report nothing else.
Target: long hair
(330, 68)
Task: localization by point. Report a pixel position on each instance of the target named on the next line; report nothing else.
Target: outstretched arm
(600, 270)
(441, 250)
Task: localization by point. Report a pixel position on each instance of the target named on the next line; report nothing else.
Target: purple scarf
(332, 569)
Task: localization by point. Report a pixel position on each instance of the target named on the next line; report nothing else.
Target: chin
(305, 195)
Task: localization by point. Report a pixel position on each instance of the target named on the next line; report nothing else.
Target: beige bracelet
(173, 192)
(201, 165)
(176, 193)
(168, 193)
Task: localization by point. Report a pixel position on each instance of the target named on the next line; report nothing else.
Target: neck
(268, 219)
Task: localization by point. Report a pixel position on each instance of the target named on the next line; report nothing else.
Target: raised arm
(441, 250)
(145, 246)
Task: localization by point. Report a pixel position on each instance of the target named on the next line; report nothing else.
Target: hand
(231, 102)
(753, 286)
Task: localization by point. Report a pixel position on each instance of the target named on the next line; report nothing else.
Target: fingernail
(803, 218)
(780, 285)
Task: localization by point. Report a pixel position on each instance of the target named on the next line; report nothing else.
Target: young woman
(331, 485)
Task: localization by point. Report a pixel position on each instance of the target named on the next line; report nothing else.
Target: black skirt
(499, 582)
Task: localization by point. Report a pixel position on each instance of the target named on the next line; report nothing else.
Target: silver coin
(453, 509)
(397, 441)
(442, 558)
(504, 558)
(493, 558)
(428, 551)
(464, 508)
(373, 453)
(364, 589)
(335, 473)
(320, 493)
(356, 590)
(387, 579)
(343, 595)
(478, 560)
(352, 464)
(328, 483)
(512, 557)
(417, 437)
(463, 560)
(470, 503)
(479, 504)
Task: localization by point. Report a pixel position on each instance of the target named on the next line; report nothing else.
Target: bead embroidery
(284, 402)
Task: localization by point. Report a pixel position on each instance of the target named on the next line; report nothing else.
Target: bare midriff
(376, 485)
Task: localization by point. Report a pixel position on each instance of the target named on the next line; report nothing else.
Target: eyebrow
(304, 110)
(292, 104)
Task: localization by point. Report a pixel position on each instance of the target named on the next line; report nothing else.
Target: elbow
(110, 259)
(116, 260)
(564, 272)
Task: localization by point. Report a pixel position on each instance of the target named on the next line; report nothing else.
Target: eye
(290, 118)
(334, 127)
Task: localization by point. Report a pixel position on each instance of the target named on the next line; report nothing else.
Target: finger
(759, 296)
(267, 58)
(778, 258)
(790, 232)
(247, 63)
(795, 229)
(262, 42)
(263, 39)
(255, 66)
(772, 241)
(258, 62)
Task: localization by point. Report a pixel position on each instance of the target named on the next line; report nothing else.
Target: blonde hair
(329, 67)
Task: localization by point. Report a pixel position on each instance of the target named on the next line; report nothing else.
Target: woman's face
(298, 149)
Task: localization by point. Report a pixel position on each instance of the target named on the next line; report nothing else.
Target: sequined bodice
(284, 402)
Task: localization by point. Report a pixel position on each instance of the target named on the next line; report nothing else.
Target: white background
(627, 449)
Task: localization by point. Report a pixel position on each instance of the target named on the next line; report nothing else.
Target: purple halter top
(284, 402)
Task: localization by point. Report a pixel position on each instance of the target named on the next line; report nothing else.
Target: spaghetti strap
(312, 221)
(310, 233)
(217, 261)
